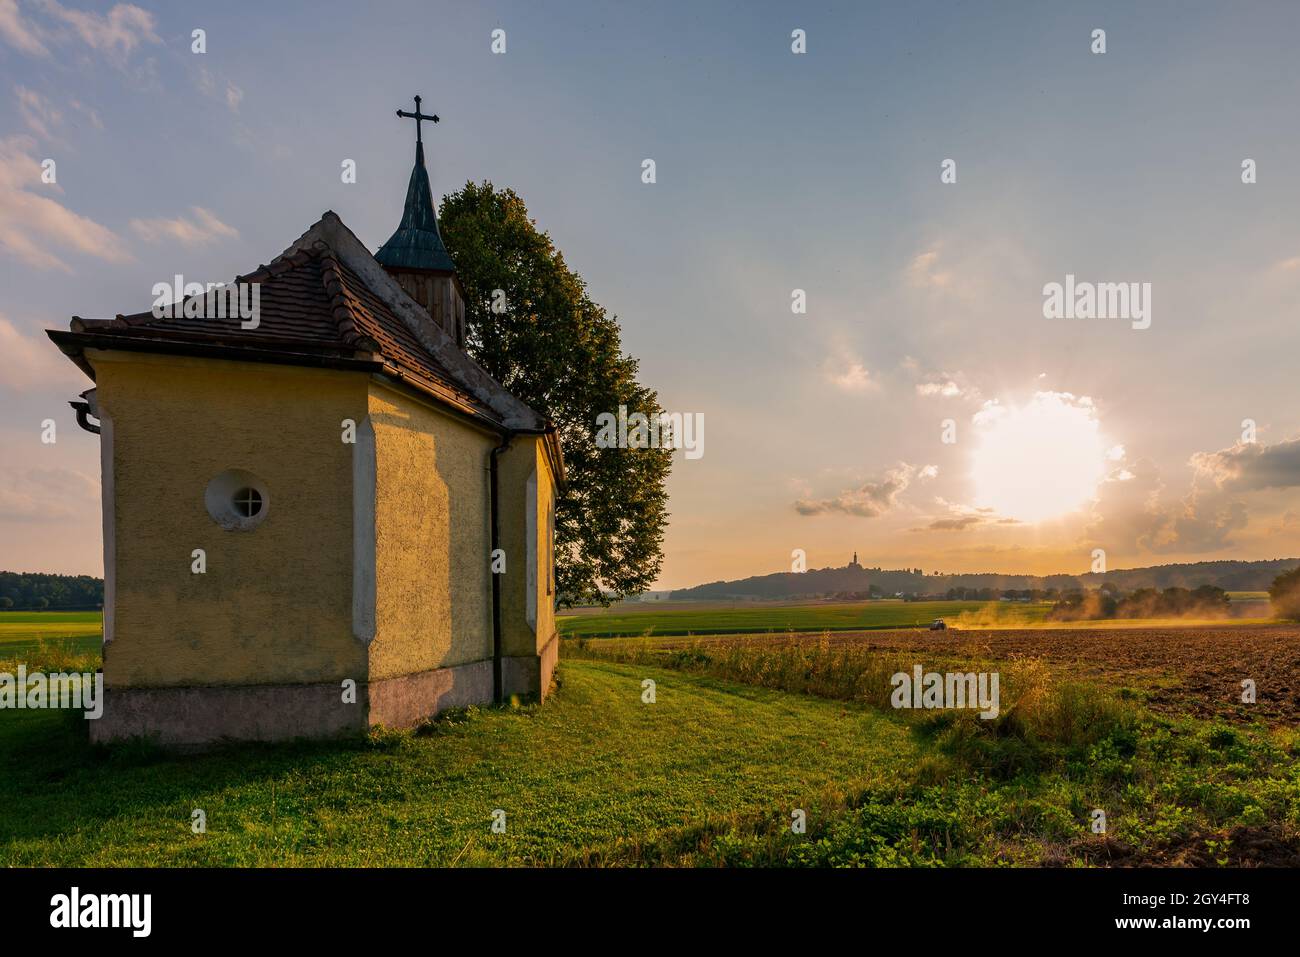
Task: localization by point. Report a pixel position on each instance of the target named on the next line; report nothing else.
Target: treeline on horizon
(858, 581)
(36, 591)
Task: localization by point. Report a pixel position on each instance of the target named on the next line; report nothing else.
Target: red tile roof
(314, 309)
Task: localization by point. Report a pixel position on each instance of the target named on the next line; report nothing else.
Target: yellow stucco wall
(526, 458)
(433, 586)
(275, 603)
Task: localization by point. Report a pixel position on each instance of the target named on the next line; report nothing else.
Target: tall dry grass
(51, 657)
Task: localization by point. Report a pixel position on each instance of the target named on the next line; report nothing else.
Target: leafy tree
(1210, 597)
(6, 603)
(25, 589)
(1284, 593)
(559, 351)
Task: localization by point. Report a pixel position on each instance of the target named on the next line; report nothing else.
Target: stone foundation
(405, 701)
(192, 717)
(531, 674)
(196, 717)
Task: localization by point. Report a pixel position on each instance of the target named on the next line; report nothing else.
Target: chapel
(320, 514)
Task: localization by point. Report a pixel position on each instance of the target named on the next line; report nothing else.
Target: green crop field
(23, 632)
(719, 619)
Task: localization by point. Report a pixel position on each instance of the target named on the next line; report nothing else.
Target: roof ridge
(351, 332)
(277, 267)
(435, 342)
(280, 265)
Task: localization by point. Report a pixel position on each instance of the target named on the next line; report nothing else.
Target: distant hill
(821, 582)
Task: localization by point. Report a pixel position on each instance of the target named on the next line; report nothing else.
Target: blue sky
(775, 171)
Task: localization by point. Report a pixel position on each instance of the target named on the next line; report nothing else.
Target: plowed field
(1195, 670)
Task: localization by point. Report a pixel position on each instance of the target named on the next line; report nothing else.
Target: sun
(1038, 461)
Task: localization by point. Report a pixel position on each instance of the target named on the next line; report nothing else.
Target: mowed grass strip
(24, 633)
(830, 616)
(591, 767)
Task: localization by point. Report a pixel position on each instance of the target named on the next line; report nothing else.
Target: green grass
(1041, 718)
(593, 764)
(707, 775)
(836, 616)
(1019, 789)
(26, 632)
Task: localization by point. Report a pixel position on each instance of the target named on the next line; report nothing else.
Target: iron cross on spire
(417, 116)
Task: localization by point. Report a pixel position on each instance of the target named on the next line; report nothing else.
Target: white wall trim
(530, 548)
(363, 533)
(108, 504)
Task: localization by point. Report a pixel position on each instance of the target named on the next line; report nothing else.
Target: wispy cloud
(848, 373)
(45, 494)
(40, 115)
(1133, 511)
(961, 518)
(44, 24)
(31, 361)
(33, 226)
(947, 385)
(871, 499)
(116, 34)
(46, 119)
(203, 227)
(19, 32)
(219, 88)
(927, 271)
(967, 270)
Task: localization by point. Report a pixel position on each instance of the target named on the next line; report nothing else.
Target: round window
(248, 502)
(237, 500)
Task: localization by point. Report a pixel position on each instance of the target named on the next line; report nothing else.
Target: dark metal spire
(417, 244)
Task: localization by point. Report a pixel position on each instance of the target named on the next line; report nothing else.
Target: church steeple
(415, 254)
(417, 243)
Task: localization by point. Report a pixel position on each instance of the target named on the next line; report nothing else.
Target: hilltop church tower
(322, 517)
